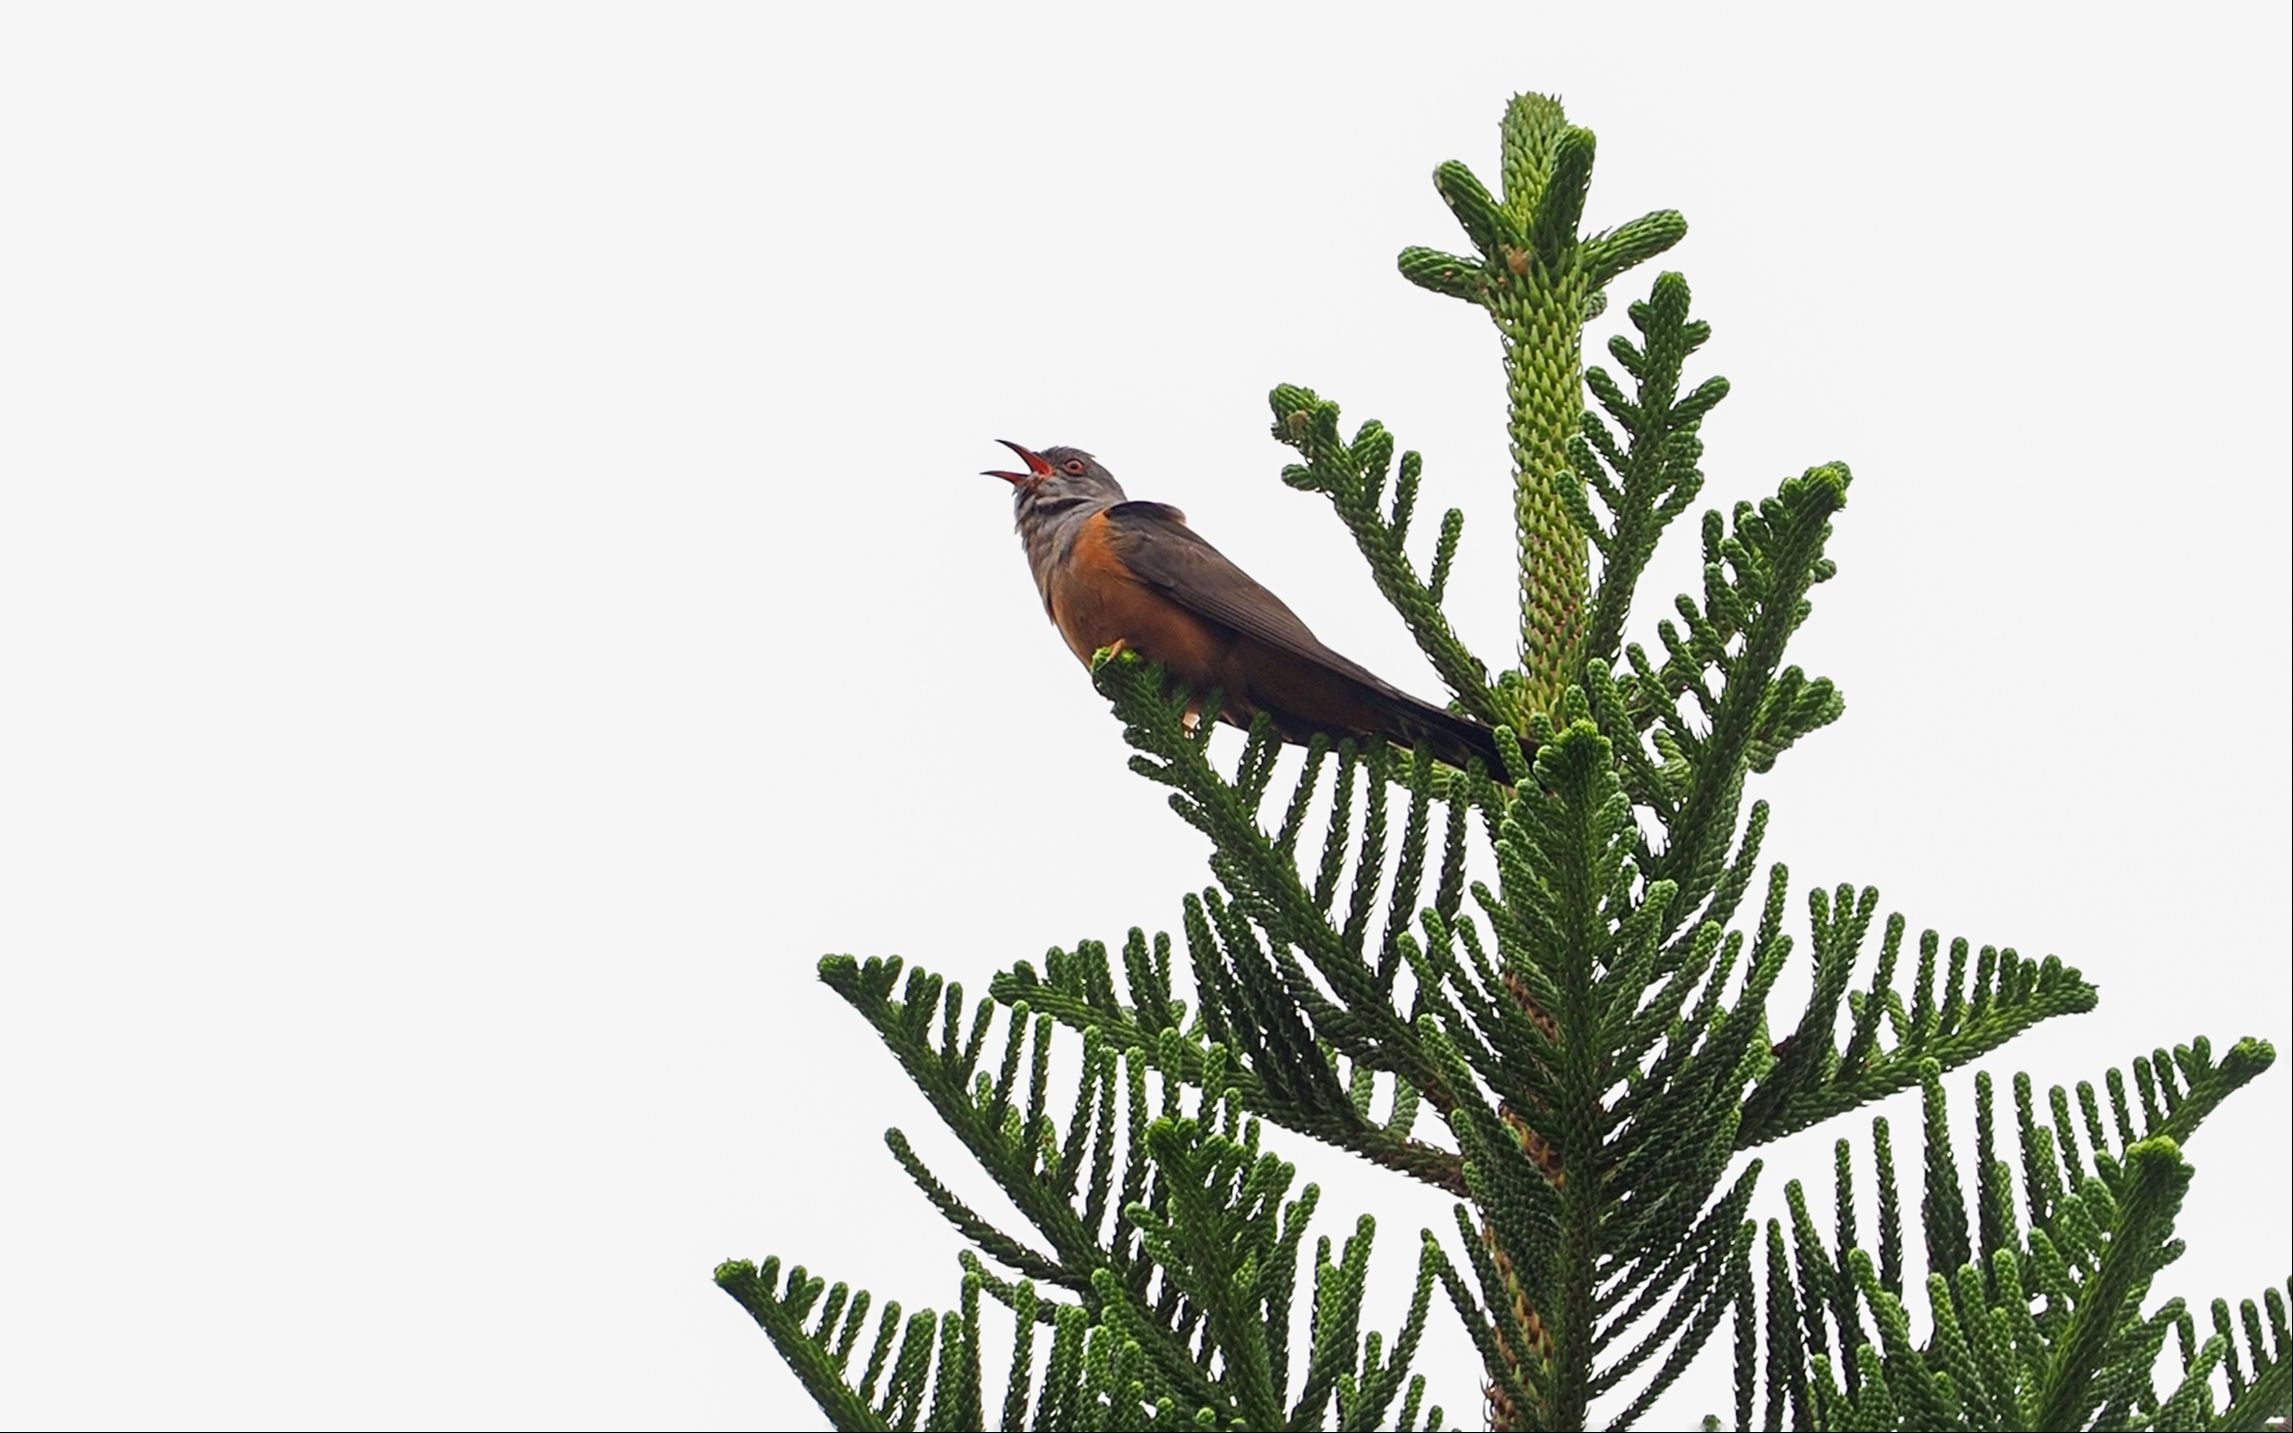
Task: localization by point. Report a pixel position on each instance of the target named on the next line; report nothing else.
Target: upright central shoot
(1539, 282)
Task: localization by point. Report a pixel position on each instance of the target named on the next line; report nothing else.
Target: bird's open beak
(1037, 469)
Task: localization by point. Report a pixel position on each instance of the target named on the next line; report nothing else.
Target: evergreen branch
(1813, 1079)
(1787, 1314)
(992, 1241)
(1070, 992)
(2266, 1392)
(1203, 1215)
(2037, 1324)
(1656, 1270)
(1496, 1331)
(1755, 595)
(2157, 1178)
(1819, 1288)
(1448, 274)
(1380, 1379)
(1337, 1343)
(956, 1399)
(1220, 1221)
(2190, 1405)
(1022, 1360)
(1502, 1178)
(1747, 1368)
(1261, 874)
(1929, 1398)
(1628, 245)
(1485, 222)
(780, 1310)
(1560, 208)
(1696, 1089)
(1655, 472)
(1018, 1295)
(1352, 476)
(2209, 1082)
(1717, 1256)
(911, 1367)
(1720, 892)
(1035, 1174)
(1491, 1030)
(1724, 1295)
(1077, 1393)
(1254, 996)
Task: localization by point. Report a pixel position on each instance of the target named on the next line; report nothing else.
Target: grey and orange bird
(1133, 576)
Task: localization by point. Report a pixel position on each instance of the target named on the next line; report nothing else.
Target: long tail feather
(1454, 739)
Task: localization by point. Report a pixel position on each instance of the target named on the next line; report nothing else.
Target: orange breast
(1095, 603)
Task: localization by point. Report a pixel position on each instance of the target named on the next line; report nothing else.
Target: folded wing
(1155, 544)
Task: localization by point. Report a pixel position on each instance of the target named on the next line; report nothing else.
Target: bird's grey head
(1058, 481)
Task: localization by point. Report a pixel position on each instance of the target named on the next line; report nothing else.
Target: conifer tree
(1574, 1050)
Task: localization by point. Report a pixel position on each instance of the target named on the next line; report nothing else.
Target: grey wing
(1154, 542)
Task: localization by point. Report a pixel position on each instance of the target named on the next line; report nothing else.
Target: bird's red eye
(1074, 466)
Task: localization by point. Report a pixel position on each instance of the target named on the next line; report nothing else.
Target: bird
(1117, 575)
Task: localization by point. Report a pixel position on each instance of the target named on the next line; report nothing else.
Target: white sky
(493, 584)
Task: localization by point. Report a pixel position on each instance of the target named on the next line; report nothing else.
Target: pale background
(494, 583)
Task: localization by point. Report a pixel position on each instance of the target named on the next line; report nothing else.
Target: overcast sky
(494, 583)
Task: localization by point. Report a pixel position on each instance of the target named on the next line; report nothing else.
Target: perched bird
(1133, 576)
